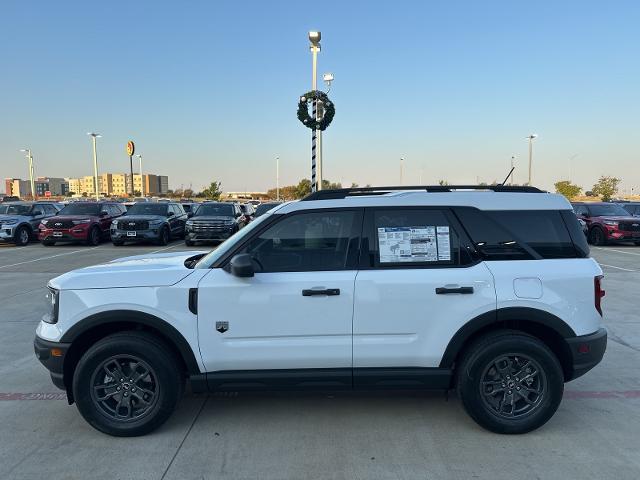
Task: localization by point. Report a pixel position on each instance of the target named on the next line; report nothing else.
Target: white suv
(491, 292)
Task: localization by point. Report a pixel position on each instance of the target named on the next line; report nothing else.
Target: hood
(620, 218)
(223, 218)
(155, 270)
(73, 217)
(13, 218)
(149, 218)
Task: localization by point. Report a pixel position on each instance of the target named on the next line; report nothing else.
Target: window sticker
(444, 243)
(413, 244)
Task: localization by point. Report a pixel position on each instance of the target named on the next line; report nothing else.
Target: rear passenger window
(414, 237)
(516, 234)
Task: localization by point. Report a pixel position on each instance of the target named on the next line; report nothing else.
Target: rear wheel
(597, 236)
(93, 238)
(189, 243)
(22, 236)
(48, 243)
(127, 384)
(510, 382)
(117, 243)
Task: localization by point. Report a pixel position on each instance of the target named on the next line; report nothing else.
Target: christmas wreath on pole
(327, 106)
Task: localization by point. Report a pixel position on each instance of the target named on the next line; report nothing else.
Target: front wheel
(189, 243)
(93, 238)
(165, 236)
(510, 382)
(597, 236)
(127, 384)
(22, 236)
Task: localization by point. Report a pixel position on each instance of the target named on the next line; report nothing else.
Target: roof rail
(348, 192)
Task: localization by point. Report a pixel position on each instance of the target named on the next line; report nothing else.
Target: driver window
(305, 242)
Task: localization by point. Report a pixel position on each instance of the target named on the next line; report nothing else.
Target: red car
(86, 222)
(608, 222)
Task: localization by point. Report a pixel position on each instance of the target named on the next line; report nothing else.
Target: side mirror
(189, 214)
(104, 213)
(242, 265)
(170, 214)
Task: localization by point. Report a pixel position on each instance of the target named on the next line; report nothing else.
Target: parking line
(47, 258)
(614, 250)
(166, 248)
(619, 268)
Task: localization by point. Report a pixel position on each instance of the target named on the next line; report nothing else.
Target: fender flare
(141, 318)
(503, 317)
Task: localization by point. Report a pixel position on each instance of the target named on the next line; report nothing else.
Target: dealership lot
(345, 435)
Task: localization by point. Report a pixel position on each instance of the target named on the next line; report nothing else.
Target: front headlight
(78, 222)
(44, 222)
(611, 223)
(114, 224)
(189, 223)
(52, 297)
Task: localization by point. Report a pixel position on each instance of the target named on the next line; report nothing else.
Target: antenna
(510, 172)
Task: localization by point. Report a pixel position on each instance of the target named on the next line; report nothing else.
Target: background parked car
(608, 222)
(214, 222)
(19, 220)
(9, 198)
(86, 222)
(248, 211)
(264, 208)
(149, 221)
(632, 207)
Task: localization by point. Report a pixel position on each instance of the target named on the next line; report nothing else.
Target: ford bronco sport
(486, 290)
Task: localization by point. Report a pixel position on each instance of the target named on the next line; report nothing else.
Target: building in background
(57, 186)
(119, 184)
(74, 185)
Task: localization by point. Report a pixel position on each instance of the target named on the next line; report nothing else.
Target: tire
(93, 237)
(48, 243)
(189, 243)
(22, 236)
(597, 236)
(107, 409)
(480, 381)
(117, 243)
(637, 244)
(165, 236)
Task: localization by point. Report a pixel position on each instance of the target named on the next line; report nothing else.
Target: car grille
(629, 226)
(60, 224)
(133, 225)
(210, 226)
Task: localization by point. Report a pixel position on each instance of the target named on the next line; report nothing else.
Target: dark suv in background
(19, 221)
(149, 221)
(214, 222)
(632, 207)
(608, 222)
(86, 222)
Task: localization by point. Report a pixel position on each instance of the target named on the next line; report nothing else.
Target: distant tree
(328, 185)
(84, 194)
(443, 183)
(70, 194)
(606, 187)
(212, 192)
(303, 188)
(354, 185)
(170, 193)
(568, 189)
(589, 193)
(187, 192)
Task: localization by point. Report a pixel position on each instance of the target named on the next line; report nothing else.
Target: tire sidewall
(18, 236)
(94, 236)
(165, 236)
(474, 366)
(167, 378)
(597, 236)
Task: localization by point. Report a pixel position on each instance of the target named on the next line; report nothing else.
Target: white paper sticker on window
(408, 244)
(444, 243)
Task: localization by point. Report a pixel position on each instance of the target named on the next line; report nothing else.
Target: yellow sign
(131, 148)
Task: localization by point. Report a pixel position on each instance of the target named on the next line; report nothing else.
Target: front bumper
(52, 355)
(7, 232)
(586, 352)
(140, 235)
(74, 234)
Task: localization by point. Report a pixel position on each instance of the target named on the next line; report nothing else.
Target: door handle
(445, 290)
(308, 292)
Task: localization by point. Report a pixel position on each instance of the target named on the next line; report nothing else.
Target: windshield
(210, 258)
(15, 209)
(81, 209)
(147, 208)
(222, 209)
(612, 210)
(264, 208)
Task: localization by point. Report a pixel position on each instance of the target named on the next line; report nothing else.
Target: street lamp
(93, 136)
(30, 158)
(401, 171)
(141, 177)
(513, 166)
(531, 138)
(278, 178)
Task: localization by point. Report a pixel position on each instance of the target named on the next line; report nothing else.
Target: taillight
(598, 292)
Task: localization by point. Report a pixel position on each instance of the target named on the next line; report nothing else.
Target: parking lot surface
(594, 434)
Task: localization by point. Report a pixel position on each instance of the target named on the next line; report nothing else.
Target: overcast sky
(208, 90)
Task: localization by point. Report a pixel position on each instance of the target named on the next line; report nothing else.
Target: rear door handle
(308, 292)
(446, 290)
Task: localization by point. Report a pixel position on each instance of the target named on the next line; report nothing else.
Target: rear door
(418, 284)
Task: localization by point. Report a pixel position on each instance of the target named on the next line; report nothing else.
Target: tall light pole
(33, 183)
(141, 177)
(277, 178)
(513, 165)
(531, 138)
(314, 38)
(401, 171)
(93, 136)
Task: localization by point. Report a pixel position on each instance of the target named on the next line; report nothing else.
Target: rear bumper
(586, 351)
(52, 355)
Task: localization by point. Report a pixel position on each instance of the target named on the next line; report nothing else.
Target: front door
(295, 313)
(418, 284)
